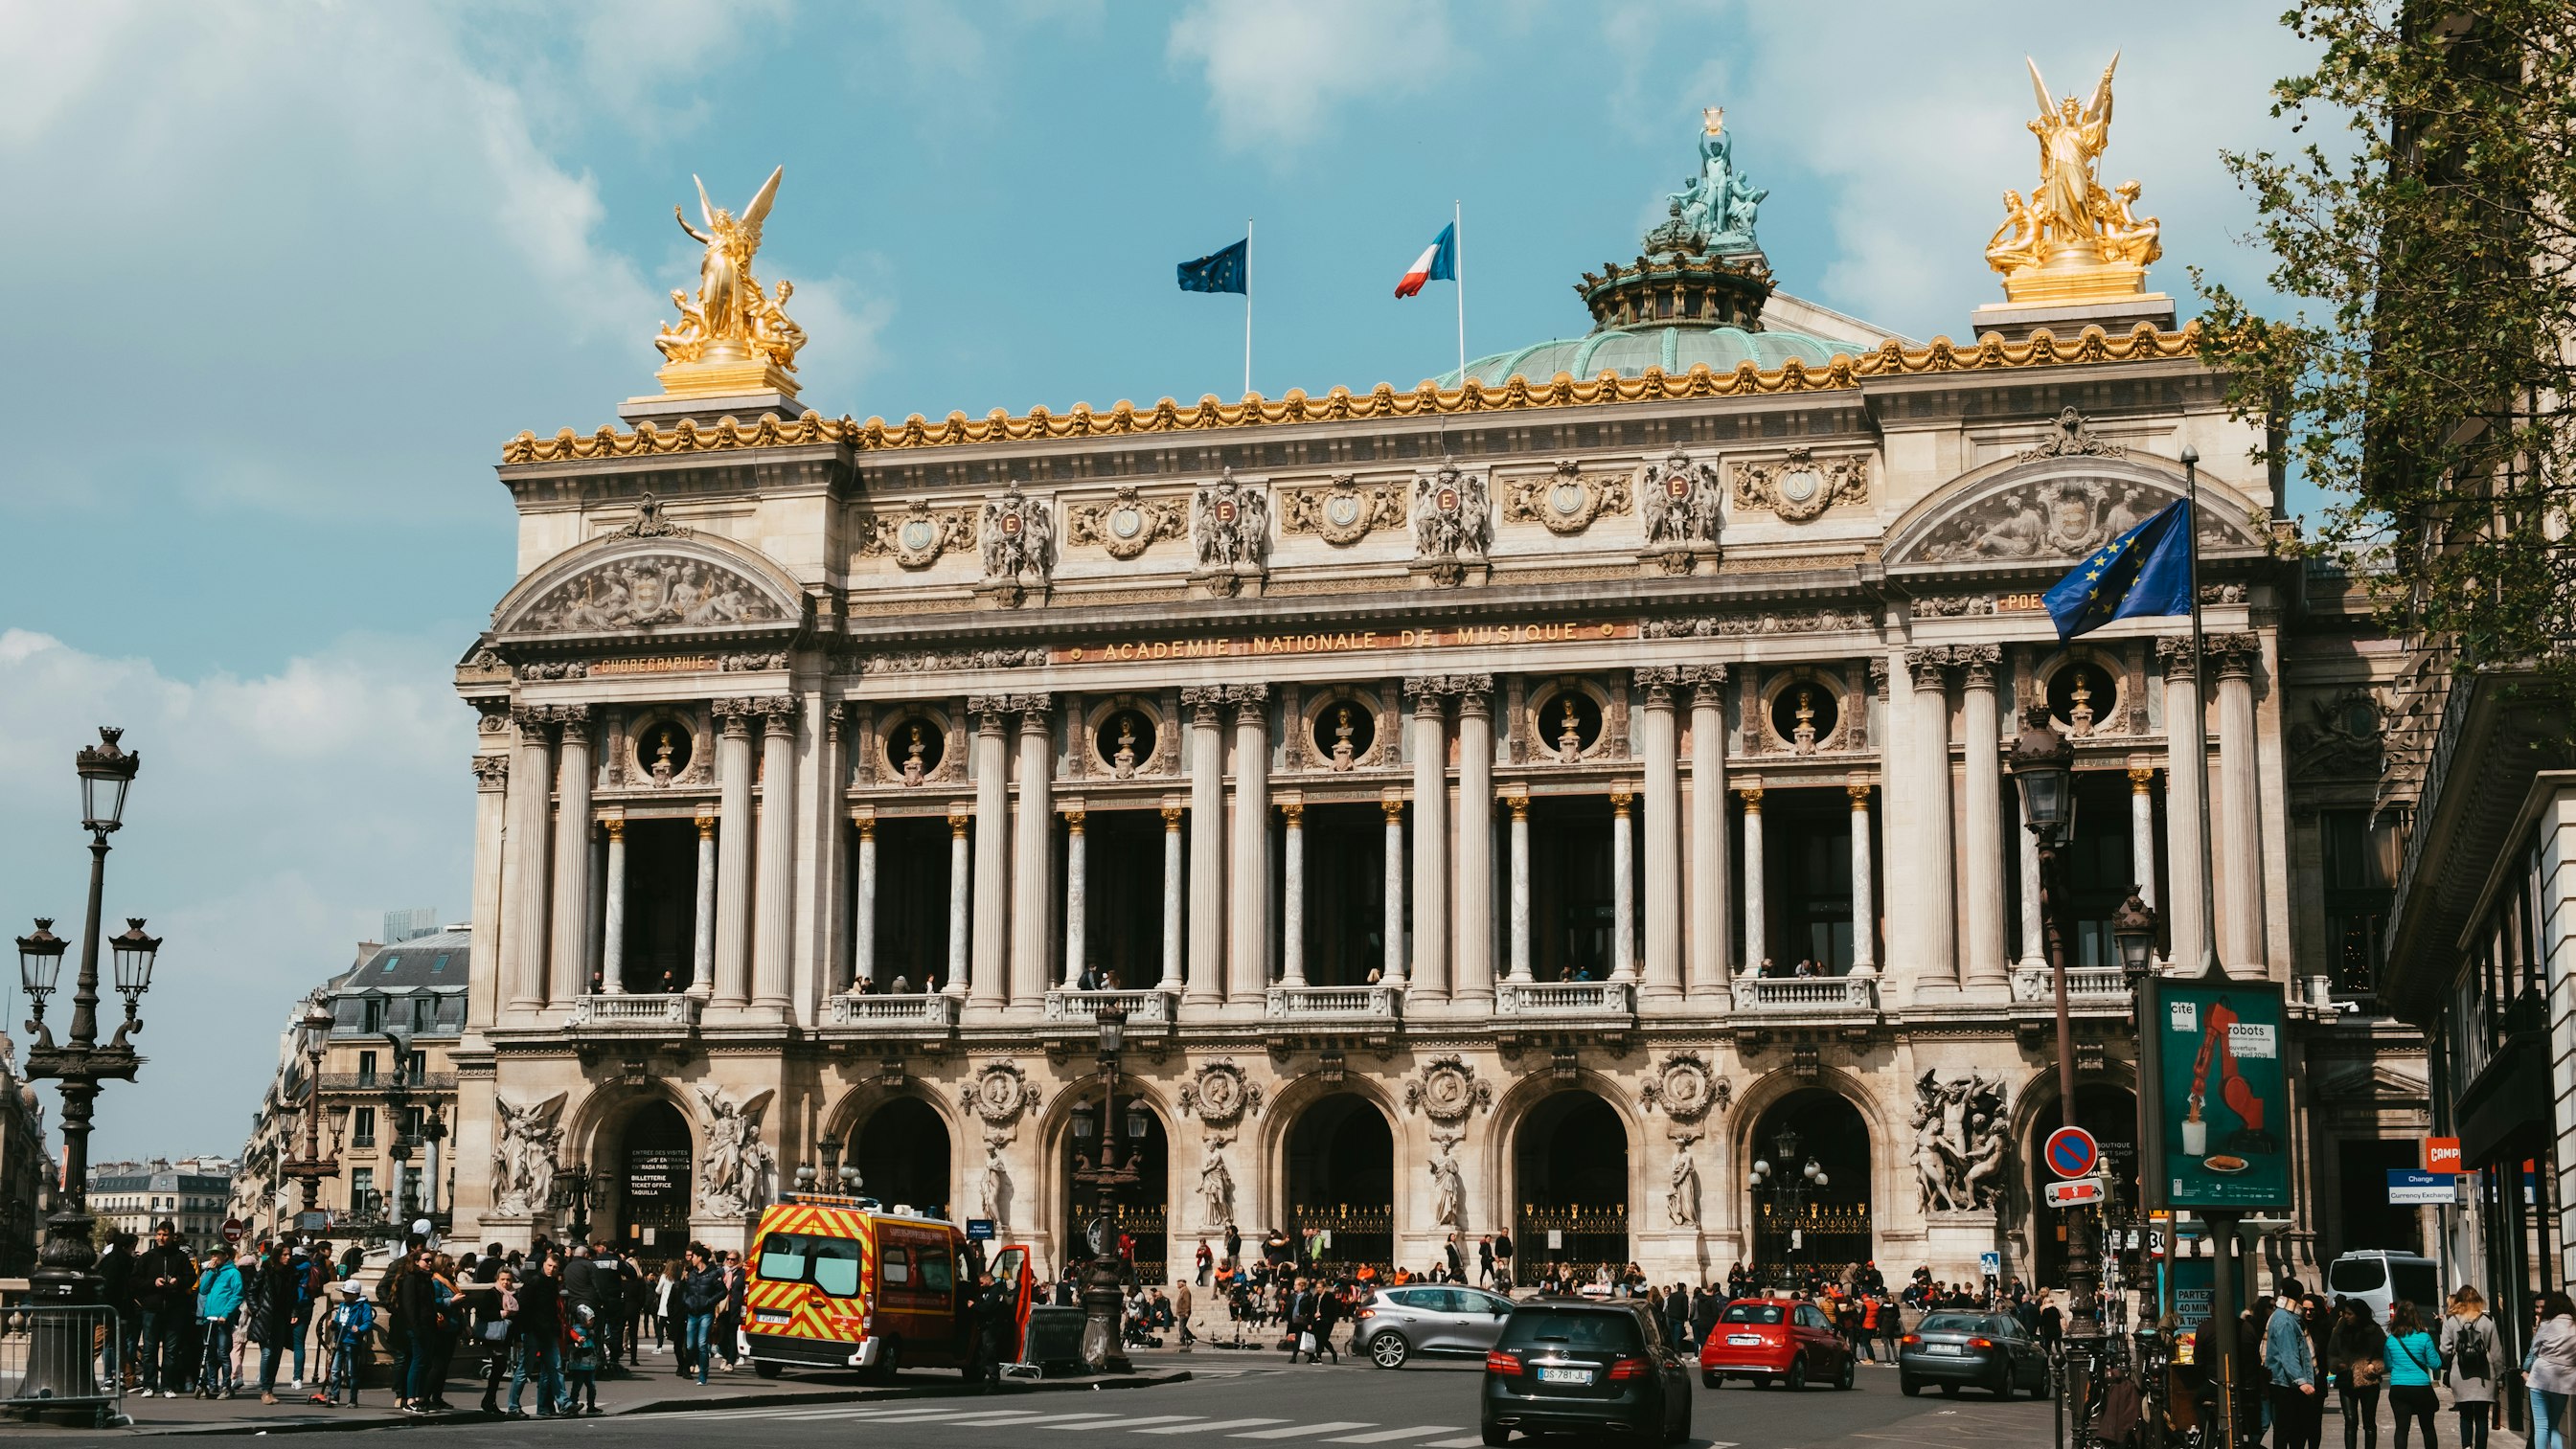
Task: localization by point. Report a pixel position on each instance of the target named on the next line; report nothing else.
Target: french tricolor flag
(1438, 263)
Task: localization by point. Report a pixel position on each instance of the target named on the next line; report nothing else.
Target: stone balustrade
(2086, 986)
(907, 1013)
(1589, 1001)
(1383, 1005)
(1144, 1008)
(632, 1013)
(1806, 995)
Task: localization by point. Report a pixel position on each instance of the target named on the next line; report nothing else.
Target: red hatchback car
(1766, 1338)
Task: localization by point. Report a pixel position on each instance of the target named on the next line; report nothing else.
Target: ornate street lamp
(63, 1367)
(572, 1193)
(1789, 1187)
(1106, 1174)
(313, 1034)
(2043, 768)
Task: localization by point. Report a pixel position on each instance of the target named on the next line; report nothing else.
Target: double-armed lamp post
(313, 1034)
(1103, 1302)
(80, 1064)
(1790, 1185)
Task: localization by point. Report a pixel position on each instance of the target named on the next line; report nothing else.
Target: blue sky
(283, 277)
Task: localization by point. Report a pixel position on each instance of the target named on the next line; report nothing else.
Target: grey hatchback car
(1971, 1350)
(1397, 1323)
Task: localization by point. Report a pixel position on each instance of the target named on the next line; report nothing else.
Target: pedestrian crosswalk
(915, 1413)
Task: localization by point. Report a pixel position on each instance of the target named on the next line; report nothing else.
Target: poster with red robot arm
(2227, 1100)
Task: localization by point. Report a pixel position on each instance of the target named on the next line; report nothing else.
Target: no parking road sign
(2071, 1152)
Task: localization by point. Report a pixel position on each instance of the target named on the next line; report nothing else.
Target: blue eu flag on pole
(2145, 571)
(1226, 270)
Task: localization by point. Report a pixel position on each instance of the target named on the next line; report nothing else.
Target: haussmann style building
(1513, 804)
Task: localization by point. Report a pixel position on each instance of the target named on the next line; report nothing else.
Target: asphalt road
(1239, 1401)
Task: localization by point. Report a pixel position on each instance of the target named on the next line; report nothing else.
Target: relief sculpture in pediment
(2060, 518)
(650, 591)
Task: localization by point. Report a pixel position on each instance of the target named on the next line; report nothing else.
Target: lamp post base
(1104, 1312)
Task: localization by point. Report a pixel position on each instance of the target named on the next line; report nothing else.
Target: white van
(2381, 1278)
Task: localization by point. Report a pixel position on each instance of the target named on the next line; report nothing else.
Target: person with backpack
(349, 1328)
(2471, 1346)
(219, 1300)
(2414, 1365)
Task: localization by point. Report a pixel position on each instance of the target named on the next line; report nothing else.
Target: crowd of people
(2293, 1348)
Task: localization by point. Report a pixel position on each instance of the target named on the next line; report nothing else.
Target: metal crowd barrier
(60, 1363)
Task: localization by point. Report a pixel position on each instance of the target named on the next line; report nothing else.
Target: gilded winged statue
(2071, 222)
(731, 319)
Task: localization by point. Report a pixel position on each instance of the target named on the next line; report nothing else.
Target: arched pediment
(2057, 509)
(654, 584)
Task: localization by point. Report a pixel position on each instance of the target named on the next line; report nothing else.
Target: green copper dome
(1631, 350)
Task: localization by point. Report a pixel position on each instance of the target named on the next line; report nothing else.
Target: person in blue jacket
(219, 1302)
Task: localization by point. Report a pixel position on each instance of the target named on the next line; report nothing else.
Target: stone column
(1392, 805)
(1519, 803)
(523, 868)
(1757, 936)
(732, 966)
(2034, 944)
(961, 876)
(1430, 755)
(1171, 897)
(2142, 832)
(774, 882)
(1660, 734)
(863, 937)
(1077, 866)
(571, 930)
(1033, 846)
(989, 959)
(2186, 776)
(1473, 978)
(1207, 846)
(612, 924)
(491, 838)
(1864, 886)
(1981, 828)
(1623, 885)
(702, 951)
(1711, 873)
(1292, 893)
(1248, 922)
(1938, 963)
(2240, 830)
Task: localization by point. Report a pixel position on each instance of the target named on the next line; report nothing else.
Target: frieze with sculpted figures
(1567, 500)
(1798, 486)
(918, 536)
(1342, 512)
(650, 591)
(1126, 525)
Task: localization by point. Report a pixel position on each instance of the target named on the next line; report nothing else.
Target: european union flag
(2145, 571)
(1228, 270)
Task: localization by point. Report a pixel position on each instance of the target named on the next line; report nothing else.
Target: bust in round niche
(1568, 724)
(1125, 741)
(2084, 698)
(914, 748)
(664, 746)
(1804, 714)
(1343, 730)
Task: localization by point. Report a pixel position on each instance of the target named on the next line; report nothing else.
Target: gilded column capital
(1073, 818)
(1859, 795)
(2237, 654)
(1392, 806)
(706, 822)
(960, 815)
(1172, 819)
(867, 827)
(1292, 813)
(1621, 798)
(2141, 778)
(1752, 799)
(615, 825)
(2176, 654)
(1518, 803)
(1979, 660)
(491, 772)
(1929, 667)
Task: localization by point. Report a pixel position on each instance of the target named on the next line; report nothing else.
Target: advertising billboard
(2226, 1096)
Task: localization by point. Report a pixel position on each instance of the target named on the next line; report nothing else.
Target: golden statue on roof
(732, 338)
(2073, 240)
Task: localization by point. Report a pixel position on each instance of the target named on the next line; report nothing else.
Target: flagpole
(1247, 305)
(1458, 264)
(2199, 730)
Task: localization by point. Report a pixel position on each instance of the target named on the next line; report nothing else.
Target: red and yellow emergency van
(837, 1282)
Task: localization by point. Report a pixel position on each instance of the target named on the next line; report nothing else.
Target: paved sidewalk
(646, 1390)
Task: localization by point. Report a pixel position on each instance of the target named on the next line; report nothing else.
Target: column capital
(706, 822)
(1036, 711)
(1621, 798)
(1425, 691)
(1251, 702)
(961, 813)
(615, 825)
(1518, 803)
(1475, 695)
(1979, 660)
(1201, 700)
(531, 719)
(1878, 675)
(988, 710)
(1707, 684)
(2237, 654)
(1929, 666)
(778, 714)
(2176, 654)
(1392, 806)
(2141, 777)
(491, 772)
(1657, 680)
(1172, 818)
(867, 825)
(1073, 818)
(1752, 798)
(1293, 814)
(1859, 794)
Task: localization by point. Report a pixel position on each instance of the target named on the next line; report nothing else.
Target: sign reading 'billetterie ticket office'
(1343, 641)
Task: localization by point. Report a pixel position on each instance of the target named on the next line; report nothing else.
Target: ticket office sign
(2226, 1096)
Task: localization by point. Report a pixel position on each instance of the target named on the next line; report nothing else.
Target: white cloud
(274, 818)
(1274, 71)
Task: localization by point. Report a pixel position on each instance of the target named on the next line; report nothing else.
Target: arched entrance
(1141, 1211)
(903, 1156)
(1810, 1221)
(649, 1207)
(1571, 1161)
(1341, 1182)
(2111, 1114)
